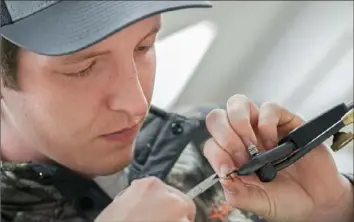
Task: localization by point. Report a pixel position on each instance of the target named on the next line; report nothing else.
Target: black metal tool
(301, 141)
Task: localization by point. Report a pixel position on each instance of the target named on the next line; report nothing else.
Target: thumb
(244, 195)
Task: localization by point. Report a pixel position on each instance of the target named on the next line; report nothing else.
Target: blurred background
(298, 54)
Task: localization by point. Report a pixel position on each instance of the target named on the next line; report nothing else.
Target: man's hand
(149, 199)
(309, 190)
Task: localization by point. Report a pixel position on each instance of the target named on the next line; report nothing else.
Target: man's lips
(125, 135)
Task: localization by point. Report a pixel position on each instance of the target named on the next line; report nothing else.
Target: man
(77, 79)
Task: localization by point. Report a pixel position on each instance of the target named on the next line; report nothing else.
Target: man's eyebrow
(153, 31)
(84, 56)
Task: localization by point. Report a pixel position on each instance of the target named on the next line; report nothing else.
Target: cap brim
(65, 28)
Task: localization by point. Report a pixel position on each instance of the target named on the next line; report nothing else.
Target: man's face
(83, 110)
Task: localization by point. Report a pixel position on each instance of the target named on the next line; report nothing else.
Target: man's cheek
(57, 122)
(146, 69)
(148, 91)
(147, 82)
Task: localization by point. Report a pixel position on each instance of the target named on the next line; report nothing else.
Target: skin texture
(309, 190)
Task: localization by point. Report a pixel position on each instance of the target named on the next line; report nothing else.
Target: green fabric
(25, 199)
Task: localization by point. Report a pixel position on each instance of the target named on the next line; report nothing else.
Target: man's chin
(106, 164)
(105, 170)
(113, 169)
(114, 165)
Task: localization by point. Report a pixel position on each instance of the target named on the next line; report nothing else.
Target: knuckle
(214, 114)
(153, 182)
(237, 98)
(136, 183)
(236, 101)
(270, 114)
(146, 183)
(271, 105)
(238, 107)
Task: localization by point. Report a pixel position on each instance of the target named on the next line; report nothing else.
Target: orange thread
(220, 212)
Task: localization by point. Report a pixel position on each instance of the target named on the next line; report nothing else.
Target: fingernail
(224, 170)
(229, 185)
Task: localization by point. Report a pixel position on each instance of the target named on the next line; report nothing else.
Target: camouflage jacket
(52, 193)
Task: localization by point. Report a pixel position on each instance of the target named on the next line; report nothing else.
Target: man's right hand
(309, 190)
(149, 199)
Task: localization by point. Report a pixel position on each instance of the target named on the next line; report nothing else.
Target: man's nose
(127, 92)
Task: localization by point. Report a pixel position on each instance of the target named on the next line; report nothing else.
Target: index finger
(219, 159)
(243, 115)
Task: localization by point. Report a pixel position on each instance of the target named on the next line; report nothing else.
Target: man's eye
(82, 73)
(144, 48)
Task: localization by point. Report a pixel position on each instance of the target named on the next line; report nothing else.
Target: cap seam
(35, 11)
(6, 11)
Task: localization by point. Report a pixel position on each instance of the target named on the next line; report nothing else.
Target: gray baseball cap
(63, 27)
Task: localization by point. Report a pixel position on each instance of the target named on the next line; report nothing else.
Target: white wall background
(299, 54)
